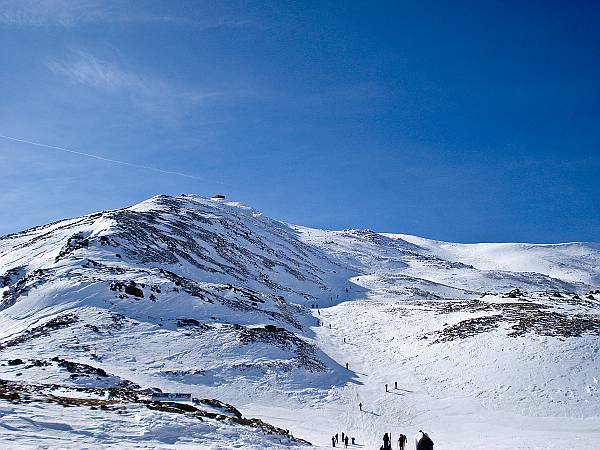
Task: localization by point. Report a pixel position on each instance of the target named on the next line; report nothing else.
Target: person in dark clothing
(402, 442)
(353, 441)
(342, 436)
(423, 441)
(395, 385)
(346, 365)
(386, 442)
(360, 406)
(346, 442)
(333, 441)
(337, 438)
(386, 387)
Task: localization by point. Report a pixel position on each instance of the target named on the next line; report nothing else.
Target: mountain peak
(194, 294)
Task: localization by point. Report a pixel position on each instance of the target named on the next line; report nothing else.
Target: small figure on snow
(402, 442)
(386, 389)
(395, 385)
(386, 442)
(360, 406)
(333, 441)
(346, 442)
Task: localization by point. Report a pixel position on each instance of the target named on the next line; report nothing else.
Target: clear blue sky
(460, 121)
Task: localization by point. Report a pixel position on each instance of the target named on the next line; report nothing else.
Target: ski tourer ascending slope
(423, 441)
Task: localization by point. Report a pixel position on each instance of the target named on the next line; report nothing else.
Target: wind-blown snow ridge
(211, 297)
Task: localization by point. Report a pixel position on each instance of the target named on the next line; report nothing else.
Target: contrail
(102, 158)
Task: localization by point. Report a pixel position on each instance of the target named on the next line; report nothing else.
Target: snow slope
(492, 345)
(576, 261)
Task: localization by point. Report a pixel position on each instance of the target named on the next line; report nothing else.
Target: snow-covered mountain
(491, 345)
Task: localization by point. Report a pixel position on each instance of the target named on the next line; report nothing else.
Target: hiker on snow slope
(423, 441)
(402, 442)
(386, 442)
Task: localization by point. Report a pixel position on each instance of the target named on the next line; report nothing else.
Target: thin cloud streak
(102, 158)
(90, 71)
(70, 13)
(51, 12)
(153, 96)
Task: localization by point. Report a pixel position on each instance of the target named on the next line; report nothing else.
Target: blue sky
(459, 121)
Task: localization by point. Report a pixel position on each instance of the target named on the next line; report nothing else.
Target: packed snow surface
(280, 332)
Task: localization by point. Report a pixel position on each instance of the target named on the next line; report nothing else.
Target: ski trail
(374, 360)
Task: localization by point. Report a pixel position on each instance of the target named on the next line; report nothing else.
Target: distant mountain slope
(574, 262)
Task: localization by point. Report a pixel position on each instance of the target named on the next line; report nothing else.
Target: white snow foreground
(492, 346)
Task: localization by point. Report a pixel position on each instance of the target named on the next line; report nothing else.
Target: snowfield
(492, 346)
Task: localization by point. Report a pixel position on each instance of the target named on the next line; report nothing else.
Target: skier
(386, 389)
(402, 442)
(423, 441)
(333, 441)
(346, 442)
(386, 442)
(395, 385)
(346, 366)
(337, 438)
(360, 406)
(344, 340)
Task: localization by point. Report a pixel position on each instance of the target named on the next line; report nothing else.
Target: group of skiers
(422, 441)
(395, 386)
(335, 439)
